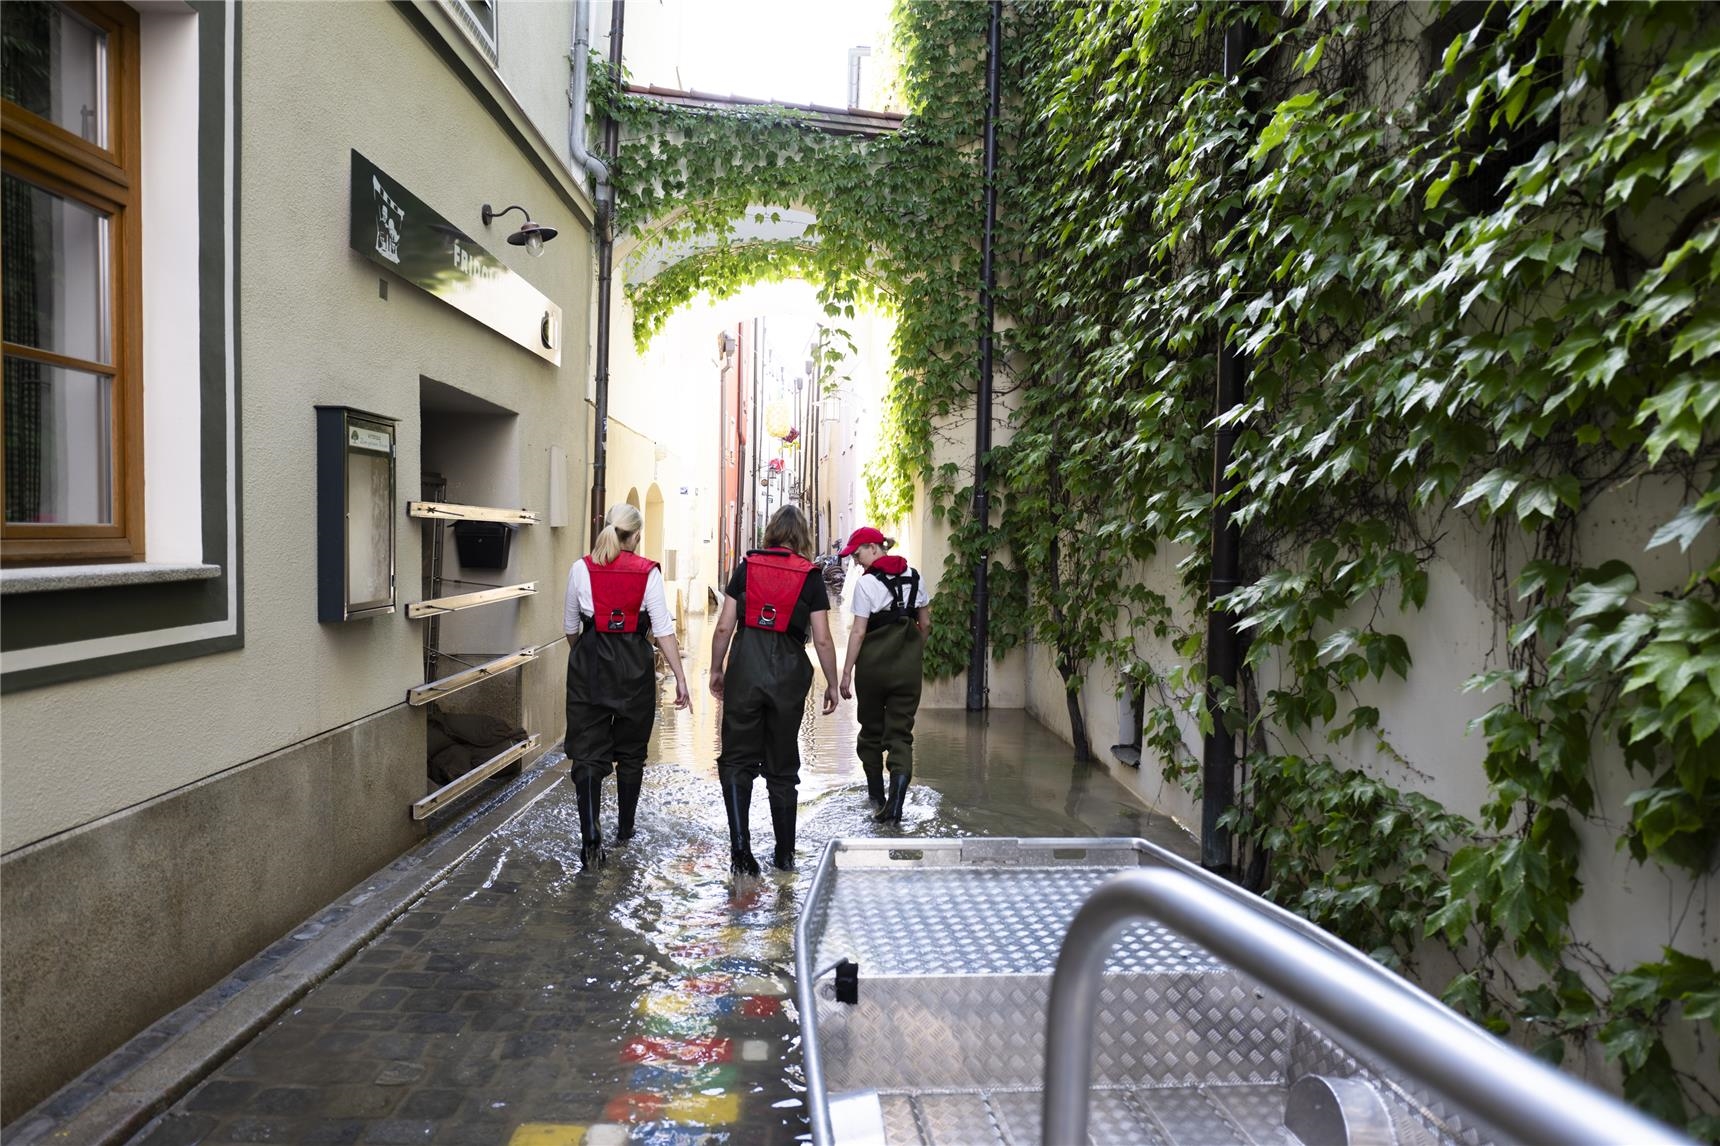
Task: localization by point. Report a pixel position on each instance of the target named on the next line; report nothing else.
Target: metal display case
(355, 514)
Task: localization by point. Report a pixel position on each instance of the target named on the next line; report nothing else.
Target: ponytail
(621, 528)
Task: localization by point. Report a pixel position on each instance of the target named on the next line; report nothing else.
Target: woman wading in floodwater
(775, 599)
(885, 664)
(614, 599)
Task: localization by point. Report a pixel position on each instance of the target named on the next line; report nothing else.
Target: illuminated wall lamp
(532, 236)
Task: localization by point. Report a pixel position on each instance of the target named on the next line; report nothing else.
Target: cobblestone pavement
(521, 1002)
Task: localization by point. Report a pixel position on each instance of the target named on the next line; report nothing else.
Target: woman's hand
(829, 699)
(848, 685)
(717, 683)
(683, 699)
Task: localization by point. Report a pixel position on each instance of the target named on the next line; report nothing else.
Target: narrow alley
(523, 1002)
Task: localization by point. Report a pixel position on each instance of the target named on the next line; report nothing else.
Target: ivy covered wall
(1469, 253)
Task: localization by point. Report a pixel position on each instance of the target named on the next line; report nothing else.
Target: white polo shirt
(579, 605)
(870, 595)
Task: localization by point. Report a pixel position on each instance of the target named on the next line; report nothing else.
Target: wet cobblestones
(520, 1002)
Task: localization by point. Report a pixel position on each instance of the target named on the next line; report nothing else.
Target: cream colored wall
(533, 41)
(1628, 912)
(1008, 680)
(314, 331)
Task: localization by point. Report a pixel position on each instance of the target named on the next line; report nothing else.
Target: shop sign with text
(395, 230)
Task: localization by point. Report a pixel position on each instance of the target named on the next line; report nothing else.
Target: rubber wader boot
(737, 798)
(875, 786)
(892, 809)
(588, 790)
(782, 813)
(627, 801)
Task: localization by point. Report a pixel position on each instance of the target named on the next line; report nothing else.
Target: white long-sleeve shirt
(579, 605)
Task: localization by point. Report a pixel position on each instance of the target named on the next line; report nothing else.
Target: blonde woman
(614, 599)
(775, 599)
(885, 664)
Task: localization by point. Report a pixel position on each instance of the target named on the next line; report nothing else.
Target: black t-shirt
(814, 598)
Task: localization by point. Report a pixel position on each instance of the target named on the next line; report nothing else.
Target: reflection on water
(522, 1001)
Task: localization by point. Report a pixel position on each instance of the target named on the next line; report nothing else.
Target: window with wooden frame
(71, 311)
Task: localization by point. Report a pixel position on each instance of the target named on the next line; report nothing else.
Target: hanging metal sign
(395, 230)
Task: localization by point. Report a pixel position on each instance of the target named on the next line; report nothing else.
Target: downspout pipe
(976, 684)
(580, 54)
(599, 170)
(1223, 642)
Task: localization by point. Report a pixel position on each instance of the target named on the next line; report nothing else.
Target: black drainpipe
(605, 256)
(976, 689)
(1223, 644)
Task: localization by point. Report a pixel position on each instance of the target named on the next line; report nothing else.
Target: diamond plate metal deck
(1194, 1116)
(957, 921)
(959, 1031)
(956, 942)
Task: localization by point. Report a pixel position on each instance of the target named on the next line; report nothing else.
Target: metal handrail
(805, 979)
(1336, 985)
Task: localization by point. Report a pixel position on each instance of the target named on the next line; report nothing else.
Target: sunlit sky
(792, 51)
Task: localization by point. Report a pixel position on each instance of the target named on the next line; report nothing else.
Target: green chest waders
(887, 680)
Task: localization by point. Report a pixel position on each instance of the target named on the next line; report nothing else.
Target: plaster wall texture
(108, 926)
(533, 41)
(1628, 912)
(1009, 682)
(1044, 699)
(313, 330)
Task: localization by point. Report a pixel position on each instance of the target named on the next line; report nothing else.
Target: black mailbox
(483, 544)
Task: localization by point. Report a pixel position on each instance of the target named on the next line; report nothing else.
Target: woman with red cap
(884, 663)
(775, 599)
(614, 598)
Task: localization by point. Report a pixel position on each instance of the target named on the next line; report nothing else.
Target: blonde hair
(621, 526)
(788, 530)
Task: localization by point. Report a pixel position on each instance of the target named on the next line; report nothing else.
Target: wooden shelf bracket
(454, 789)
(447, 511)
(477, 674)
(435, 607)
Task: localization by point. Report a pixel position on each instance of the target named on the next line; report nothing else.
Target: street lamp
(532, 236)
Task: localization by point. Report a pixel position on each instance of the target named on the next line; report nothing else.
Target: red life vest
(774, 580)
(617, 592)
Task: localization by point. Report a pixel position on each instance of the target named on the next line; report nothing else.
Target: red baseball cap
(865, 535)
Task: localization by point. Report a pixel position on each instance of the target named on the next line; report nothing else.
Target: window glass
(56, 268)
(59, 445)
(370, 536)
(54, 64)
(482, 16)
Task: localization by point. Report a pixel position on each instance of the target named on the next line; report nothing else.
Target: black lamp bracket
(491, 213)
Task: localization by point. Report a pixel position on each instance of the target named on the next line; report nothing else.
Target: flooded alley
(521, 1001)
